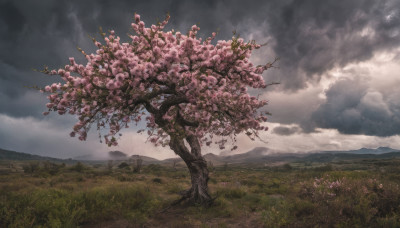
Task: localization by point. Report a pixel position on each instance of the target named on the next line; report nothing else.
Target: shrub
(123, 165)
(52, 168)
(78, 167)
(350, 202)
(157, 180)
(287, 167)
(31, 167)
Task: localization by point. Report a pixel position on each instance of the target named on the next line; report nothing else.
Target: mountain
(258, 155)
(251, 156)
(117, 155)
(379, 150)
(212, 157)
(13, 155)
(146, 160)
(88, 157)
(346, 156)
(263, 155)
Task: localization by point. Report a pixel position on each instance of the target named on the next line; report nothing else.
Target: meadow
(358, 193)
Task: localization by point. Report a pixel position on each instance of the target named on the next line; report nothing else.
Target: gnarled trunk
(198, 193)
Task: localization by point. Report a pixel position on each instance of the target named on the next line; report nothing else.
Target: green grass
(352, 194)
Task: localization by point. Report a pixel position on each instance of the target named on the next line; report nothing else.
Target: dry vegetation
(44, 194)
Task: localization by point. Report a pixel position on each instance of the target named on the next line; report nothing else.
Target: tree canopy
(180, 85)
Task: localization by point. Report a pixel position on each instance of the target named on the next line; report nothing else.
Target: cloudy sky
(339, 68)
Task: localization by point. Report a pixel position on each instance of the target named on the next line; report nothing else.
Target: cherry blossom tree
(190, 92)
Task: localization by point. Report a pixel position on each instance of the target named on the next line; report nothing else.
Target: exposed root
(191, 198)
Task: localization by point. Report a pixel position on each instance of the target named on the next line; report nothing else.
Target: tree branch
(194, 145)
(182, 121)
(171, 101)
(145, 100)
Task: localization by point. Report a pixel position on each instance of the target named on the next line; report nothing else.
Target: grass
(351, 194)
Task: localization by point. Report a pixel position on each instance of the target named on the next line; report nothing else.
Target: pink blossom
(213, 79)
(137, 18)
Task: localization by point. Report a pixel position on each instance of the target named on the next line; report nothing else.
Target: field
(360, 193)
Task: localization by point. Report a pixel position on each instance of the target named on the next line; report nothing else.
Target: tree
(189, 91)
(137, 163)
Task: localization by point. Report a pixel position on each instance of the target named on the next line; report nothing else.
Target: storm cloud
(282, 130)
(312, 37)
(352, 107)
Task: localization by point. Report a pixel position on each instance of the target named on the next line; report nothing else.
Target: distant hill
(18, 156)
(258, 155)
(266, 156)
(86, 157)
(332, 157)
(13, 155)
(250, 156)
(379, 150)
(117, 155)
(146, 160)
(212, 157)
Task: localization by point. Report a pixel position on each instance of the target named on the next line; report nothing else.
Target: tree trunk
(198, 193)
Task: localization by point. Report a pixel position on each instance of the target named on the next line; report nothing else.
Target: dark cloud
(13, 18)
(314, 36)
(352, 108)
(281, 130)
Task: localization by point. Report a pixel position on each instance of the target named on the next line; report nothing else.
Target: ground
(363, 193)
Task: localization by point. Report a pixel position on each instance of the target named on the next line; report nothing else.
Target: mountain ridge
(256, 155)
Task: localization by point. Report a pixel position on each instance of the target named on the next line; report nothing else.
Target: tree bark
(198, 193)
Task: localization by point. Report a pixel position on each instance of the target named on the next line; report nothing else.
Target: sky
(338, 69)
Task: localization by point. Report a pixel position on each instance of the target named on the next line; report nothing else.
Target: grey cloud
(314, 36)
(282, 130)
(10, 14)
(44, 138)
(310, 36)
(294, 108)
(352, 108)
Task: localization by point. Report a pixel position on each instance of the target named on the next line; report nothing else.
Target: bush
(123, 165)
(78, 167)
(52, 168)
(157, 180)
(31, 167)
(350, 202)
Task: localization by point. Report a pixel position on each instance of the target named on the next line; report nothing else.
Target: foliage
(123, 165)
(56, 207)
(78, 167)
(42, 168)
(179, 84)
(31, 167)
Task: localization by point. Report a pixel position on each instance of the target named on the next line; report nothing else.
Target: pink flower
(211, 77)
(72, 60)
(137, 18)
